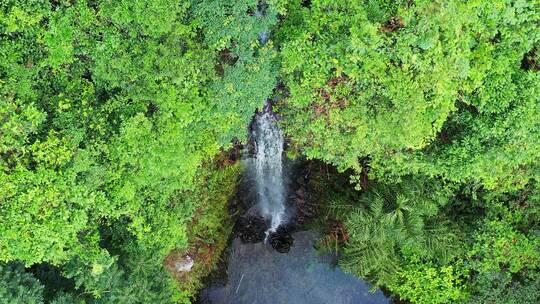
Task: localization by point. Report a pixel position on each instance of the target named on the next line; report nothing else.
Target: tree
(388, 224)
(109, 114)
(504, 257)
(414, 92)
(17, 286)
(422, 282)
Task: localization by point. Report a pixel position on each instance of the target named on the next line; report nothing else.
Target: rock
(281, 240)
(184, 265)
(251, 229)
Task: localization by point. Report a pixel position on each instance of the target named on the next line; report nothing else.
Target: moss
(210, 225)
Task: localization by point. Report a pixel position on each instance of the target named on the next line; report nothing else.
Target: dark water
(257, 274)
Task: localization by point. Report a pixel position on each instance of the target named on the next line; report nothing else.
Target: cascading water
(268, 140)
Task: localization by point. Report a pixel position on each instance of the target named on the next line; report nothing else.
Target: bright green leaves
(496, 151)
(429, 88)
(244, 87)
(235, 25)
(506, 240)
(39, 220)
(20, 48)
(246, 68)
(425, 283)
(19, 17)
(105, 115)
(500, 246)
(393, 101)
(140, 17)
(18, 122)
(59, 41)
(111, 110)
(52, 152)
(503, 258)
(506, 31)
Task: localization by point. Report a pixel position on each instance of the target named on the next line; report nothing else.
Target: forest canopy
(117, 118)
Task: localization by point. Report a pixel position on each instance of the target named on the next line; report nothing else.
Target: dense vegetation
(115, 119)
(440, 101)
(112, 113)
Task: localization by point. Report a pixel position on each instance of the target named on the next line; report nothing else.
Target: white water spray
(269, 168)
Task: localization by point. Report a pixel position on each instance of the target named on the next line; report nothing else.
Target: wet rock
(184, 264)
(281, 240)
(304, 206)
(251, 229)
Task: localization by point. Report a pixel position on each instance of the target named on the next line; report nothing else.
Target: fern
(389, 222)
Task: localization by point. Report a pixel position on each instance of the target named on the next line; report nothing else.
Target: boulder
(184, 264)
(281, 240)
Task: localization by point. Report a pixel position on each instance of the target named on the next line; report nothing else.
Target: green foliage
(81, 146)
(112, 115)
(211, 225)
(141, 282)
(136, 272)
(504, 257)
(425, 283)
(500, 290)
(430, 243)
(66, 298)
(210, 222)
(391, 222)
(500, 246)
(443, 91)
(247, 66)
(368, 89)
(17, 287)
(417, 93)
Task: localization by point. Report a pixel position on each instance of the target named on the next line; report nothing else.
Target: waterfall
(268, 140)
(268, 167)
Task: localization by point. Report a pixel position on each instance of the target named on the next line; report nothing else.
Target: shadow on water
(257, 274)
